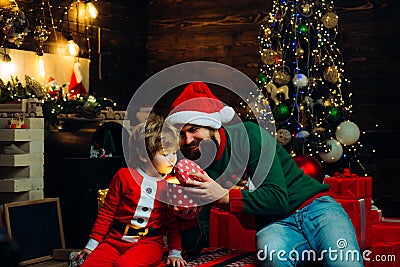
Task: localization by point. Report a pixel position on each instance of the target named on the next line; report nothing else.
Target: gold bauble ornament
(281, 76)
(268, 56)
(41, 34)
(331, 74)
(299, 51)
(101, 196)
(305, 9)
(330, 20)
(267, 31)
(283, 136)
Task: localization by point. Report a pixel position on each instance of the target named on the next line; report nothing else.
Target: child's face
(164, 160)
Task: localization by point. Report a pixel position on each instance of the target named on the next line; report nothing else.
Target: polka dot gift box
(176, 187)
(183, 168)
(177, 197)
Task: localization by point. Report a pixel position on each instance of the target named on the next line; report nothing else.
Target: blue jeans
(321, 231)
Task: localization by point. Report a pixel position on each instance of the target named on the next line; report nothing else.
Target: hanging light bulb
(42, 71)
(7, 68)
(72, 47)
(92, 9)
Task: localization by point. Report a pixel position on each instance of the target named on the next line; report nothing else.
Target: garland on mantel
(56, 103)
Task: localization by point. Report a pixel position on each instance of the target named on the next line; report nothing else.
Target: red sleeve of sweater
(235, 201)
(106, 214)
(173, 231)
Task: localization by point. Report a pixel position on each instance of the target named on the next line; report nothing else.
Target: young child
(129, 227)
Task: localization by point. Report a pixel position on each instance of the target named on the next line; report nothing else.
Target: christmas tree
(303, 88)
(108, 142)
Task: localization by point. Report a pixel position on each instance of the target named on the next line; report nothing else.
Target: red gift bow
(346, 174)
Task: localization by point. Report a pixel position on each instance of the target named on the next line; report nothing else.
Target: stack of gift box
(378, 237)
(227, 230)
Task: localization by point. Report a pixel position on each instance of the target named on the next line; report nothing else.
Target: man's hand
(207, 190)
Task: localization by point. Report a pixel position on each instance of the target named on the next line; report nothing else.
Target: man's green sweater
(280, 185)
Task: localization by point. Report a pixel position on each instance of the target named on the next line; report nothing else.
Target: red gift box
(177, 197)
(388, 219)
(383, 254)
(376, 216)
(226, 231)
(386, 231)
(349, 186)
(359, 212)
(183, 168)
(176, 185)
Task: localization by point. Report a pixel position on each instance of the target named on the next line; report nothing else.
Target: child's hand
(79, 257)
(176, 261)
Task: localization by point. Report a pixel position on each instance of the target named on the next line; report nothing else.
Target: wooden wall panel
(220, 31)
(368, 39)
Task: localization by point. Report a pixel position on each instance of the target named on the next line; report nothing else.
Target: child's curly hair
(150, 137)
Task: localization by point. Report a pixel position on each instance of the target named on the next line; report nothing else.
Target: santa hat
(52, 80)
(197, 105)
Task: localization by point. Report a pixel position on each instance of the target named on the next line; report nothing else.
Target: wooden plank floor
(50, 263)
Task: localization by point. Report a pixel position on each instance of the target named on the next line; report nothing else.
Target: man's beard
(201, 151)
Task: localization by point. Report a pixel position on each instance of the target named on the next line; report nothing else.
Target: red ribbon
(346, 174)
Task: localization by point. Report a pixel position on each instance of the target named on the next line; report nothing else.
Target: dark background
(140, 38)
